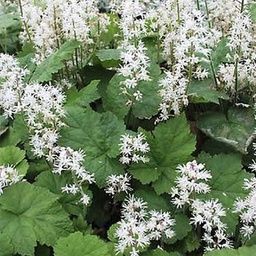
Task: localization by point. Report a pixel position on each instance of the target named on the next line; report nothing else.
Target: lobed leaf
(3, 125)
(6, 245)
(115, 101)
(79, 245)
(170, 145)
(30, 214)
(109, 57)
(55, 182)
(84, 97)
(227, 182)
(243, 251)
(13, 156)
(98, 135)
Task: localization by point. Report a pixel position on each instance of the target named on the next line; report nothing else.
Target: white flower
(190, 182)
(85, 199)
(70, 189)
(138, 227)
(8, 175)
(246, 208)
(133, 148)
(208, 215)
(117, 184)
(65, 158)
(134, 208)
(159, 224)
(173, 93)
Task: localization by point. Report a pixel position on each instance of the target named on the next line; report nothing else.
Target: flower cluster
(173, 94)
(41, 107)
(239, 72)
(208, 214)
(48, 23)
(135, 61)
(117, 184)
(11, 85)
(190, 182)
(133, 148)
(138, 227)
(247, 209)
(8, 175)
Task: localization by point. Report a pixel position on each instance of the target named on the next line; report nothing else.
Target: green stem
(178, 11)
(208, 13)
(25, 24)
(236, 80)
(197, 5)
(74, 178)
(56, 27)
(242, 6)
(158, 45)
(214, 74)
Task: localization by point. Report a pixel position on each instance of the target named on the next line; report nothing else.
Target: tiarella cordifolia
(41, 108)
(8, 175)
(189, 183)
(48, 24)
(117, 184)
(208, 215)
(135, 62)
(133, 148)
(138, 227)
(246, 208)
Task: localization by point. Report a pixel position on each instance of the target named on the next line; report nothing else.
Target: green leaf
(9, 22)
(55, 62)
(6, 245)
(227, 182)
(152, 50)
(218, 56)
(79, 245)
(13, 156)
(243, 251)
(88, 94)
(181, 228)
(112, 231)
(237, 130)
(154, 201)
(115, 101)
(190, 243)
(110, 34)
(204, 91)
(16, 133)
(98, 135)
(252, 10)
(84, 97)
(159, 252)
(170, 145)
(54, 182)
(30, 214)
(109, 57)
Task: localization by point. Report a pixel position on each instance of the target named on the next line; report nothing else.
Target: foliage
(30, 214)
(174, 139)
(98, 135)
(80, 245)
(140, 94)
